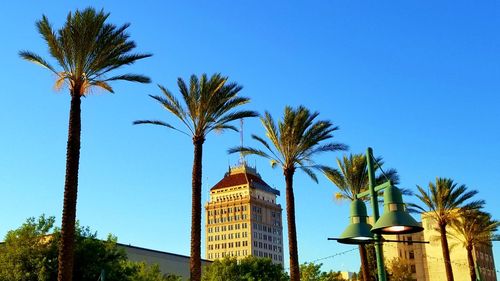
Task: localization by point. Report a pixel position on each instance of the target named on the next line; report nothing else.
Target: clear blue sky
(416, 80)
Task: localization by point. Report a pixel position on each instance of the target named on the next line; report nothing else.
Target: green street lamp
(395, 219)
(358, 231)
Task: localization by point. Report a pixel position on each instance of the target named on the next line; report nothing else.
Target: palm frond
(310, 173)
(34, 58)
(130, 77)
(159, 123)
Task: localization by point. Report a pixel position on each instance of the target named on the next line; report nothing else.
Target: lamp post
(395, 219)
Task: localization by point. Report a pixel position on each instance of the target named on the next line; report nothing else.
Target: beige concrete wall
(168, 262)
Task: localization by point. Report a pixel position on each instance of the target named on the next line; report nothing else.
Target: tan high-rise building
(242, 217)
(426, 260)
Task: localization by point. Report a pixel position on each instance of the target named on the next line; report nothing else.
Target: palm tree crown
(208, 105)
(444, 199)
(351, 177)
(296, 140)
(87, 49)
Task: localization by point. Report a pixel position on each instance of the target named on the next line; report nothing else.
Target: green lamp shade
(396, 219)
(358, 231)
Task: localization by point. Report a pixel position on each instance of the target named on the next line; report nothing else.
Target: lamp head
(358, 231)
(396, 219)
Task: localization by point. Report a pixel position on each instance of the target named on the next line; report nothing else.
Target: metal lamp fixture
(395, 219)
(358, 231)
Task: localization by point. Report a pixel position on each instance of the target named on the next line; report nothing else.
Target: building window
(413, 269)
(412, 255)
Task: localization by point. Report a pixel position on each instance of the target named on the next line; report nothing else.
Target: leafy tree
(247, 269)
(30, 253)
(296, 140)
(474, 228)
(443, 202)
(144, 272)
(86, 49)
(209, 104)
(351, 178)
(312, 272)
(399, 270)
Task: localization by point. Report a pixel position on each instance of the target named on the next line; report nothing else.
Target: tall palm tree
(442, 203)
(351, 178)
(296, 139)
(209, 104)
(87, 49)
(474, 228)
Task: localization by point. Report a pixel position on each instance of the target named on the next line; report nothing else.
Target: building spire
(242, 157)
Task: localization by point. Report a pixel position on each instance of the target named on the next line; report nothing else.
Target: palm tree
(209, 105)
(86, 49)
(442, 203)
(296, 140)
(474, 228)
(351, 178)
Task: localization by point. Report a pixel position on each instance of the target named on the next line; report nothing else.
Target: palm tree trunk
(364, 263)
(472, 265)
(446, 252)
(292, 231)
(66, 246)
(195, 260)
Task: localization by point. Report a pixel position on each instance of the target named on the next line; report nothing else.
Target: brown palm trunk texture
(472, 265)
(446, 252)
(66, 246)
(292, 231)
(365, 268)
(195, 260)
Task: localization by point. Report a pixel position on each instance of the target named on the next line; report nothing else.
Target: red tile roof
(244, 178)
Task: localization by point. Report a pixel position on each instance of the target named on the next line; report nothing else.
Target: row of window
(228, 210)
(228, 245)
(227, 219)
(224, 228)
(266, 246)
(266, 255)
(238, 253)
(265, 228)
(265, 237)
(227, 236)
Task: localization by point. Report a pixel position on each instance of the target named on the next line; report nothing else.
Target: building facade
(243, 218)
(426, 259)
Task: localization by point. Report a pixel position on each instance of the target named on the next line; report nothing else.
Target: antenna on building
(242, 157)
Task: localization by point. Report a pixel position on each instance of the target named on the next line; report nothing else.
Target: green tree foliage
(140, 271)
(399, 270)
(30, 253)
(312, 272)
(247, 269)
